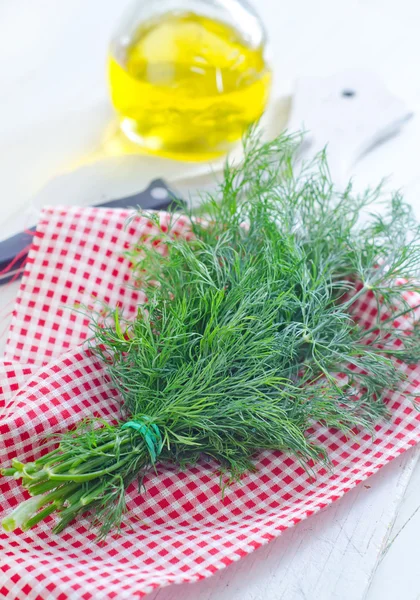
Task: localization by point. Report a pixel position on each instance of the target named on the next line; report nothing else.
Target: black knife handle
(14, 250)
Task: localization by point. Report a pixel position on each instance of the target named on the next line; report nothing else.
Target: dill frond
(243, 334)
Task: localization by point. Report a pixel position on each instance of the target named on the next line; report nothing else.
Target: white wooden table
(53, 99)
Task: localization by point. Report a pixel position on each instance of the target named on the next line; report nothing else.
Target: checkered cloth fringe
(181, 529)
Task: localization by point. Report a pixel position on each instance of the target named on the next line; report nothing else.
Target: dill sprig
(245, 328)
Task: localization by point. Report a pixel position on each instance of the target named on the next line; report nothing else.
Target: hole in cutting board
(348, 93)
(159, 193)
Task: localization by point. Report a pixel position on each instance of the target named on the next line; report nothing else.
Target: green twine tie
(151, 435)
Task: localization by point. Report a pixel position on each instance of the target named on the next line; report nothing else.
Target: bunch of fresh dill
(238, 344)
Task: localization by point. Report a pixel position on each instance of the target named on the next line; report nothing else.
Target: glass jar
(188, 77)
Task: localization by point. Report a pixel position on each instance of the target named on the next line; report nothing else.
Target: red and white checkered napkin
(182, 529)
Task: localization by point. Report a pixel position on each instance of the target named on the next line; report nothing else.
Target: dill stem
(80, 478)
(10, 472)
(40, 516)
(40, 488)
(357, 295)
(389, 319)
(70, 456)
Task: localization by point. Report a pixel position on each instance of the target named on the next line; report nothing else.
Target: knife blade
(14, 250)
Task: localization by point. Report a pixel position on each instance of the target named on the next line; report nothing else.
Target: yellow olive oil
(187, 86)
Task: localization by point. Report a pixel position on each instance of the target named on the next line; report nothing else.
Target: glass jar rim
(256, 31)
